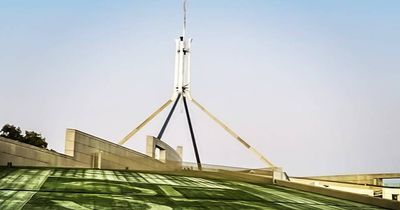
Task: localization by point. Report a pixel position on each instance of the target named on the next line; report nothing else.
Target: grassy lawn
(35, 188)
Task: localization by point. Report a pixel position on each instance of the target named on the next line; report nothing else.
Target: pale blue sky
(314, 85)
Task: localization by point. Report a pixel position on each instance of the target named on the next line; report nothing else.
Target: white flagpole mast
(184, 19)
(182, 62)
(182, 88)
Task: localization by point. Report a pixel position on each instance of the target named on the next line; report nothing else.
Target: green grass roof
(43, 188)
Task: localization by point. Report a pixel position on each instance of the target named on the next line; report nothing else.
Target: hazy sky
(313, 85)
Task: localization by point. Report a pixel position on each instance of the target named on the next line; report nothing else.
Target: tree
(30, 137)
(34, 139)
(11, 132)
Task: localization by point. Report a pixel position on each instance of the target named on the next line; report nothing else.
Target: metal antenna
(184, 19)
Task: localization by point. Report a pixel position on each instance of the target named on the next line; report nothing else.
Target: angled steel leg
(192, 134)
(237, 137)
(130, 134)
(168, 117)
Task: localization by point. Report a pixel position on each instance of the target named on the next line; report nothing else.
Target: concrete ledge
(21, 154)
(370, 179)
(388, 204)
(31, 147)
(100, 153)
(85, 139)
(167, 154)
(221, 175)
(84, 150)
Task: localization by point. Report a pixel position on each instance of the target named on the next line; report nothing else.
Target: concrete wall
(211, 167)
(371, 179)
(81, 150)
(353, 188)
(389, 192)
(388, 204)
(166, 153)
(21, 154)
(100, 153)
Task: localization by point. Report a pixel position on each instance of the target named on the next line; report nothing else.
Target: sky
(313, 85)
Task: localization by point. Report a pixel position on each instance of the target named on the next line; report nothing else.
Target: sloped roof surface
(43, 188)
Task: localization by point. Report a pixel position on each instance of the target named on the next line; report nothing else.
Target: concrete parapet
(100, 153)
(222, 175)
(167, 154)
(84, 150)
(388, 204)
(21, 154)
(369, 179)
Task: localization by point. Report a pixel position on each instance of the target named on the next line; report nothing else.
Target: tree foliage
(34, 139)
(30, 137)
(11, 132)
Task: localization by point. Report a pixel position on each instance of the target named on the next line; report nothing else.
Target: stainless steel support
(237, 137)
(147, 120)
(168, 117)
(196, 152)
